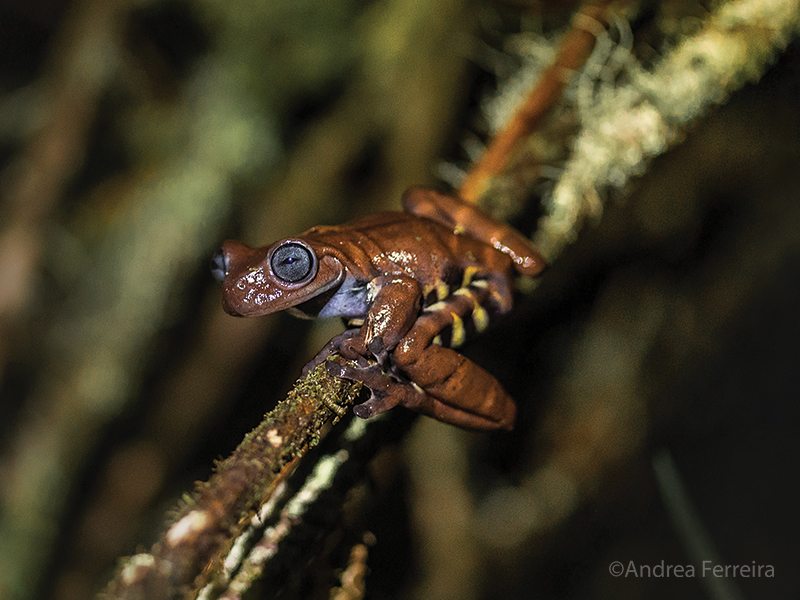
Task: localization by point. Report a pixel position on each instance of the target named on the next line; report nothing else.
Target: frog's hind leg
(386, 393)
(464, 217)
(424, 374)
(434, 379)
(458, 391)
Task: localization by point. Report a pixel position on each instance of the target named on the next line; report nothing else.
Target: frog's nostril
(219, 266)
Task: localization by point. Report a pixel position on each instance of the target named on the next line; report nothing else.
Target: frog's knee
(408, 351)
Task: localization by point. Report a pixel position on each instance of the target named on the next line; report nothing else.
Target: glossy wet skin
(410, 285)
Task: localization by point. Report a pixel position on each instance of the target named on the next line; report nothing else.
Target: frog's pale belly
(351, 301)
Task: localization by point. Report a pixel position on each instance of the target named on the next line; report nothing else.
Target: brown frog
(411, 286)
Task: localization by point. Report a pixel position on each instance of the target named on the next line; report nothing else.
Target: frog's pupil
(292, 262)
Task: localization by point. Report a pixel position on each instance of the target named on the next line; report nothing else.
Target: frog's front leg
(391, 314)
(435, 380)
(388, 319)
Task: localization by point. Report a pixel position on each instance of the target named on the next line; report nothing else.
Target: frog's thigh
(458, 390)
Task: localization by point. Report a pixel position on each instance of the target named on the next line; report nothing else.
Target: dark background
(135, 136)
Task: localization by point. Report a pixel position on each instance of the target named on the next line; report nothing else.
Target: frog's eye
(292, 262)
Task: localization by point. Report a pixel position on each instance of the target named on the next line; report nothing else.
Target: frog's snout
(220, 265)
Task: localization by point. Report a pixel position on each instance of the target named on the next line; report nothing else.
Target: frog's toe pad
(374, 406)
(344, 371)
(377, 348)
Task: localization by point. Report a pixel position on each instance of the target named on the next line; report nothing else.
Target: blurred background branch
(137, 135)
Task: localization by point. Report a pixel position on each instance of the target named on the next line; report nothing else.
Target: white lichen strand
(320, 479)
(188, 527)
(274, 438)
(242, 544)
(641, 119)
(358, 427)
(244, 561)
(136, 567)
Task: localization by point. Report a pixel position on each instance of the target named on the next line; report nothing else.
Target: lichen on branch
(639, 120)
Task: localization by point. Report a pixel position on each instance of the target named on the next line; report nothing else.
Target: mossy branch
(191, 551)
(631, 124)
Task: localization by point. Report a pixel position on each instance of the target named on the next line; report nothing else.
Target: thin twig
(689, 527)
(575, 50)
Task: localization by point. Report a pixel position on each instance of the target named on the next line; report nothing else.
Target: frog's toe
(353, 348)
(378, 402)
(385, 392)
(377, 348)
(367, 373)
(348, 371)
(333, 346)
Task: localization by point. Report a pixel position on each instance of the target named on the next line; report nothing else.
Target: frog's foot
(385, 391)
(342, 343)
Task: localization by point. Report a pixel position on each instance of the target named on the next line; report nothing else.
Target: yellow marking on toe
(442, 290)
(465, 292)
(469, 273)
(479, 315)
(437, 340)
(481, 318)
(481, 283)
(439, 306)
(459, 335)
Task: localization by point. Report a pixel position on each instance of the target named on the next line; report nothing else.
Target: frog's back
(418, 245)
